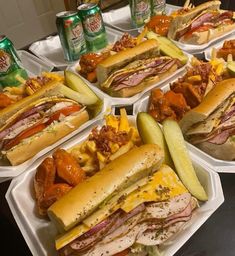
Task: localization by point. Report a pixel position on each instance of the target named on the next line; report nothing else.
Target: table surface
(215, 238)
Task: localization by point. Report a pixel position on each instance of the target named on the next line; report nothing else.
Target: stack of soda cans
(142, 10)
(81, 31)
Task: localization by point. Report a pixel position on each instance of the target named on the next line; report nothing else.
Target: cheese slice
(164, 185)
(69, 236)
(109, 207)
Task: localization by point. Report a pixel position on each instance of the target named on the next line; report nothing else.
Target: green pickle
(11, 73)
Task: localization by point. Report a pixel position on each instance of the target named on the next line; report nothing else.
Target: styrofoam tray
(32, 64)
(115, 101)
(39, 233)
(198, 49)
(121, 18)
(217, 46)
(13, 171)
(50, 49)
(217, 165)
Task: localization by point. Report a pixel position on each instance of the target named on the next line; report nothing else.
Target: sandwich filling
(147, 216)
(35, 118)
(218, 127)
(139, 71)
(204, 21)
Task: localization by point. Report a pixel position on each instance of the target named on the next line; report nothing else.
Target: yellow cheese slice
(69, 236)
(109, 207)
(164, 185)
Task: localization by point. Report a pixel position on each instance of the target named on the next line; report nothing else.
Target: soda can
(10, 65)
(71, 34)
(140, 12)
(158, 7)
(93, 25)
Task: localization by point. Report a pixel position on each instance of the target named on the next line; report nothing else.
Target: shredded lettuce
(152, 251)
(139, 249)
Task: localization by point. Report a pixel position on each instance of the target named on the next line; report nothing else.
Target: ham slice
(19, 125)
(114, 225)
(206, 18)
(222, 137)
(151, 69)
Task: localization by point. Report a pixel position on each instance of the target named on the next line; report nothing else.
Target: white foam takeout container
(116, 101)
(120, 19)
(51, 52)
(32, 64)
(216, 164)
(39, 233)
(201, 48)
(8, 171)
(217, 46)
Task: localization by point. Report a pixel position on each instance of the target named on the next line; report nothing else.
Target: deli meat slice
(147, 231)
(157, 238)
(206, 17)
(166, 209)
(136, 78)
(222, 137)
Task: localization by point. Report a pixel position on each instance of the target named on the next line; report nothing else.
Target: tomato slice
(198, 29)
(64, 111)
(39, 127)
(25, 134)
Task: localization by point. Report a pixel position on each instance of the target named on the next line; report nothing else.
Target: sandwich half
(201, 24)
(211, 125)
(133, 202)
(38, 121)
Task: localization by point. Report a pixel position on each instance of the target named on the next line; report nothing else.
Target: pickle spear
(167, 47)
(180, 156)
(86, 95)
(150, 132)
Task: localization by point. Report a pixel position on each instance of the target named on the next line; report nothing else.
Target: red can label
(93, 24)
(5, 61)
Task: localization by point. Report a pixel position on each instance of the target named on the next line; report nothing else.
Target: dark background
(215, 238)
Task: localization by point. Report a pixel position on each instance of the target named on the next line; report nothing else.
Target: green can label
(93, 24)
(5, 62)
(158, 7)
(74, 34)
(140, 12)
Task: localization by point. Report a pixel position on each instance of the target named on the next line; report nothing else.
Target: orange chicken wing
(68, 168)
(44, 177)
(52, 194)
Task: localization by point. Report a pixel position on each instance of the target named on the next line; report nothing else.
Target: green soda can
(71, 34)
(158, 7)
(10, 66)
(140, 12)
(93, 26)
